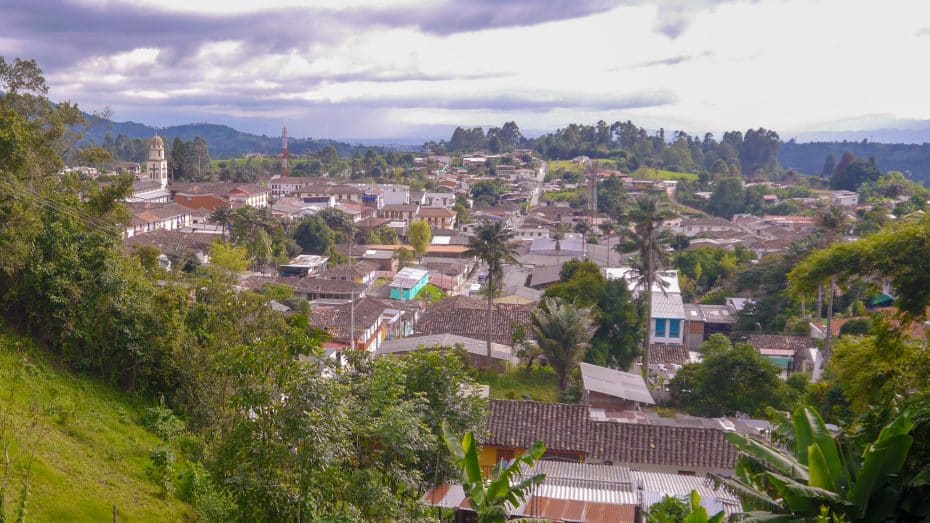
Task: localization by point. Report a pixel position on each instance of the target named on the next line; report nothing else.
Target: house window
(674, 328)
(660, 327)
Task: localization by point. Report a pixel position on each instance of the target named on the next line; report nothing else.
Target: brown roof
(336, 320)
(307, 285)
(435, 212)
(340, 272)
(561, 426)
(778, 341)
(635, 443)
(143, 213)
(662, 353)
(165, 240)
(472, 322)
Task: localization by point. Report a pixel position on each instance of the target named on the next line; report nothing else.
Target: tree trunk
(563, 379)
(608, 250)
(827, 334)
(803, 308)
(819, 302)
(647, 288)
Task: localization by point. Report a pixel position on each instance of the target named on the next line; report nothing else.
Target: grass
(647, 173)
(89, 451)
(541, 384)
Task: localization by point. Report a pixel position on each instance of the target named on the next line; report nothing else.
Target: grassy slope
(541, 384)
(90, 452)
(647, 173)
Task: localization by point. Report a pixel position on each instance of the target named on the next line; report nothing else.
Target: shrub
(856, 327)
(162, 422)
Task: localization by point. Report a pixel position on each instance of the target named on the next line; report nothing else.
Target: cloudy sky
(405, 68)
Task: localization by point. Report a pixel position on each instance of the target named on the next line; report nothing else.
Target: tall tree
(419, 234)
(728, 198)
(493, 243)
(829, 164)
(583, 228)
(563, 332)
(313, 235)
(833, 223)
(607, 227)
(647, 216)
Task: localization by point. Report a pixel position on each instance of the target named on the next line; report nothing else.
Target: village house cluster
(371, 303)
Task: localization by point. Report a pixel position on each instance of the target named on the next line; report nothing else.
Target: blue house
(407, 283)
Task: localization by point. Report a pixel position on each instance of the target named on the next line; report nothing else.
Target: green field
(90, 453)
(541, 384)
(648, 173)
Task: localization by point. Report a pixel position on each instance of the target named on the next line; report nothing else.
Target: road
(540, 177)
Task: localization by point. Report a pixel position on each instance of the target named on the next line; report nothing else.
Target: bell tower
(158, 165)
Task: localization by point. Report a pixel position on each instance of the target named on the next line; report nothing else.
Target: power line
(24, 193)
(58, 206)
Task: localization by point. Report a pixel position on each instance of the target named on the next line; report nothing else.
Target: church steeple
(157, 164)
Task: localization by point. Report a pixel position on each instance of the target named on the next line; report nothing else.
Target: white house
(148, 217)
(439, 199)
(668, 311)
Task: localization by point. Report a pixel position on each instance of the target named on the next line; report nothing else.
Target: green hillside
(90, 453)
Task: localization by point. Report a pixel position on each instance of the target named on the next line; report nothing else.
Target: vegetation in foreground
(87, 449)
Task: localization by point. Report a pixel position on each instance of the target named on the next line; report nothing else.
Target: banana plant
(492, 499)
(817, 474)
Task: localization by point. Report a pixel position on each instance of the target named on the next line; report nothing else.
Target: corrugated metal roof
(615, 383)
(614, 475)
(668, 305)
(655, 485)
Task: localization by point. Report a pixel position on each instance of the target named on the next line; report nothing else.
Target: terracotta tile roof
(307, 285)
(662, 445)
(662, 353)
(472, 322)
(435, 212)
(359, 270)
(165, 240)
(336, 320)
(781, 342)
(143, 213)
(520, 423)
(517, 424)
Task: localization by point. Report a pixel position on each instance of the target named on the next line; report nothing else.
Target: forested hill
(224, 141)
(809, 157)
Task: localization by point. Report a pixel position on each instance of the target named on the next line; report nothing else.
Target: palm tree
(832, 221)
(222, 215)
(607, 227)
(563, 332)
(494, 245)
(558, 234)
(494, 499)
(817, 474)
(583, 228)
(647, 216)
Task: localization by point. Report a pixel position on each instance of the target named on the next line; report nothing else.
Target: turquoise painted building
(407, 283)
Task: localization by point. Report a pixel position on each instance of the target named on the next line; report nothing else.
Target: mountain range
(223, 141)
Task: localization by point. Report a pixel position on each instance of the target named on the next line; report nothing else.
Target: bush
(856, 327)
(162, 422)
(798, 327)
(161, 470)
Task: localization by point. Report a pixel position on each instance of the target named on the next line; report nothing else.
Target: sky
(395, 69)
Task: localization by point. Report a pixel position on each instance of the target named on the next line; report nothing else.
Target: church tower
(158, 165)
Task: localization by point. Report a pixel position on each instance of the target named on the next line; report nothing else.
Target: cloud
(674, 16)
(672, 60)
(924, 32)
